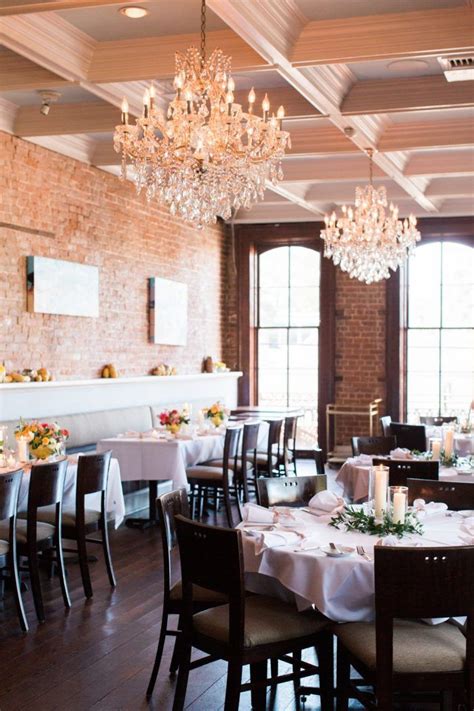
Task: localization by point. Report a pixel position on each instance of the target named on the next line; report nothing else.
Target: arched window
(288, 331)
(440, 330)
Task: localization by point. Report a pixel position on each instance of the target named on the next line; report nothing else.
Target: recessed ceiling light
(133, 12)
(407, 65)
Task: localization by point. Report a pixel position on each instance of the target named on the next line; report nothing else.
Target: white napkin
(274, 539)
(363, 459)
(132, 434)
(325, 502)
(389, 541)
(423, 509)
(401, 453)
(252, 513)
(467, 529)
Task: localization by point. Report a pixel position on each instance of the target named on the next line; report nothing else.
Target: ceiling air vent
(458, 68)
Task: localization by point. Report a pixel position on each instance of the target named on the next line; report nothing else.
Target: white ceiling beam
(381, 96)
(390, 36)
(21, 7)
(427, 134)
(66, 119)
(452, 187)
(20, 74)
(270, 29)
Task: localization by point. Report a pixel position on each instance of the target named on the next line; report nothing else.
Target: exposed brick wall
(93, 218)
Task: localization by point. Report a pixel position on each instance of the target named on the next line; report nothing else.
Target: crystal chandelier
(369, 240)
(205, 156)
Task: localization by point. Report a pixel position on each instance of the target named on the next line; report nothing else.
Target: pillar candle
(11, 460)
(380, 494)
(435, 449)
(23, 454)
(399, 507)
(448, 443)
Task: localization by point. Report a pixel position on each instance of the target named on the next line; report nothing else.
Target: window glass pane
(423, 350)
(303, 387)
(424, 275)
(458, 264)
(458, 305)
(273, 309)
(304, 266)
(422, 394)
(272, 348)
(457, 362)
(303, 348)
(304, 305)
(273, 267)
(423, 372)
(272, 387)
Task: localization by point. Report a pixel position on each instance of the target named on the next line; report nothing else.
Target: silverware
(303, 550)
(363, 554)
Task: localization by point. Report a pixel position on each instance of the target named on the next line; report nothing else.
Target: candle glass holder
(398, 503)
(378, 491)
(435, 448)
(3, 438)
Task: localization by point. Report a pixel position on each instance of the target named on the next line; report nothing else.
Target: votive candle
(448, 443)
(23, 454)
(399, 507)
(435, 449)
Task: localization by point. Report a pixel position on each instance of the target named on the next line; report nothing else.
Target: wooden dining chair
(412, 437)
(168, 506)
(9, 491)
(290, 491)
(373, 445)
(79, 522)
(288, 455)
(385, 423)
(400, 470)
(437, 421)
(457, 495)
(267, 461)
(248, 630)
(400, 653)
(34, 537)
(318, 457)
(212, 480)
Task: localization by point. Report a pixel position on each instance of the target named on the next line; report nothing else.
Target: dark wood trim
(253, 240)
(456, 229)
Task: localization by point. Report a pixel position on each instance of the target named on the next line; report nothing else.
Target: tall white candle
(399, 507)
(435, 449)
(23, 454)
(380, 494)
(448, 443)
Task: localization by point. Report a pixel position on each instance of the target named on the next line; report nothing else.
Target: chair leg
(232, 692)
(62, 572)
(258, 673)
(343, 678)
(17, 593)
(296, 670)
(159, 654)
(84, 564)
(106, 548)
(274, 668)
(325, 650)
(183, 674)
(177, 651)
(35, 584)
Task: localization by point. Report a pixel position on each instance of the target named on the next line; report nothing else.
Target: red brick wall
(92, 218)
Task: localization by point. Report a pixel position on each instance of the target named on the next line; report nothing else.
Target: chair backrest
(457, 495)
(418, 583)
(274, 435)
(45, 489)
(373, 445)
(318, 460)
(212, 558)
(289, 491)
(409, 436)
(385, 422)
(231, 447)
(400, 470)
(289, 431)
(168, 506)
(250, 437)
(9, 491)
(437, 421)
(92, 473)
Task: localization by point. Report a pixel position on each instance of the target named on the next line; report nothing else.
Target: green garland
(357, 520)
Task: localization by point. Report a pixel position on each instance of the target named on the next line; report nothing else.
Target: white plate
(466, 513)
(466, 470)
(343, 552)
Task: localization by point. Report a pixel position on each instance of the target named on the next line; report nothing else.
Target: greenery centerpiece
(173, 419)
(352, 519)
(44, 439)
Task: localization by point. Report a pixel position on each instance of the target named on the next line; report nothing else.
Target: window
(288, 332)
(440, 334)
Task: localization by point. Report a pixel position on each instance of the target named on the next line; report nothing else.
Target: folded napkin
(252, 513)
(401, 453)
(274, 539)
(467, 528)
(423, 509)
(132, 434)
(325, 502)
(363, 459)
(389, 541)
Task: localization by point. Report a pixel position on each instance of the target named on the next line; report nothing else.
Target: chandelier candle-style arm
(207, 156)
(368, 241)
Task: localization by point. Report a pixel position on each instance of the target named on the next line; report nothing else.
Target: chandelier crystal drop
(205, 156)
(368, 240)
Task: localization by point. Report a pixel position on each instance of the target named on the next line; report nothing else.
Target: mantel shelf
(119, 381)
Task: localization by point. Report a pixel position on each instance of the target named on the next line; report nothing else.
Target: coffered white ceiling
(340, 67)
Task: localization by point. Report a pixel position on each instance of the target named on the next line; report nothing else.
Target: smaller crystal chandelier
(205, 156)
(367, 240)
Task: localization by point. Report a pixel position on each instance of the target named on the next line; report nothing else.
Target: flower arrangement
(44, 440)
(173, 419)
(217, 413)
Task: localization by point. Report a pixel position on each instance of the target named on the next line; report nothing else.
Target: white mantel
(64, 397)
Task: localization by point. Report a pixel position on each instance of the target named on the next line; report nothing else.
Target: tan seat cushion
(43, 530)
(417, 647)
(199, 594)
(48, 515)
(4, 547)
(267, 620)
(202, 472)
(218, 463)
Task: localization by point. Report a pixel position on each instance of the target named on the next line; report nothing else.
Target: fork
(361, 552)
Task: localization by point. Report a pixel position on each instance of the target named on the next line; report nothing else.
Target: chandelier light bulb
(266, 104)
(230, 84)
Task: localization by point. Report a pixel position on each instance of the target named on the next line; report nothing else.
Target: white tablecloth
(148, 459)
(463, 442)
(114, 500)
(353, 477)
(341, 588)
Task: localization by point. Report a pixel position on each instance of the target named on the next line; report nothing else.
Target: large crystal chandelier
(369, 240)
(205, 156)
